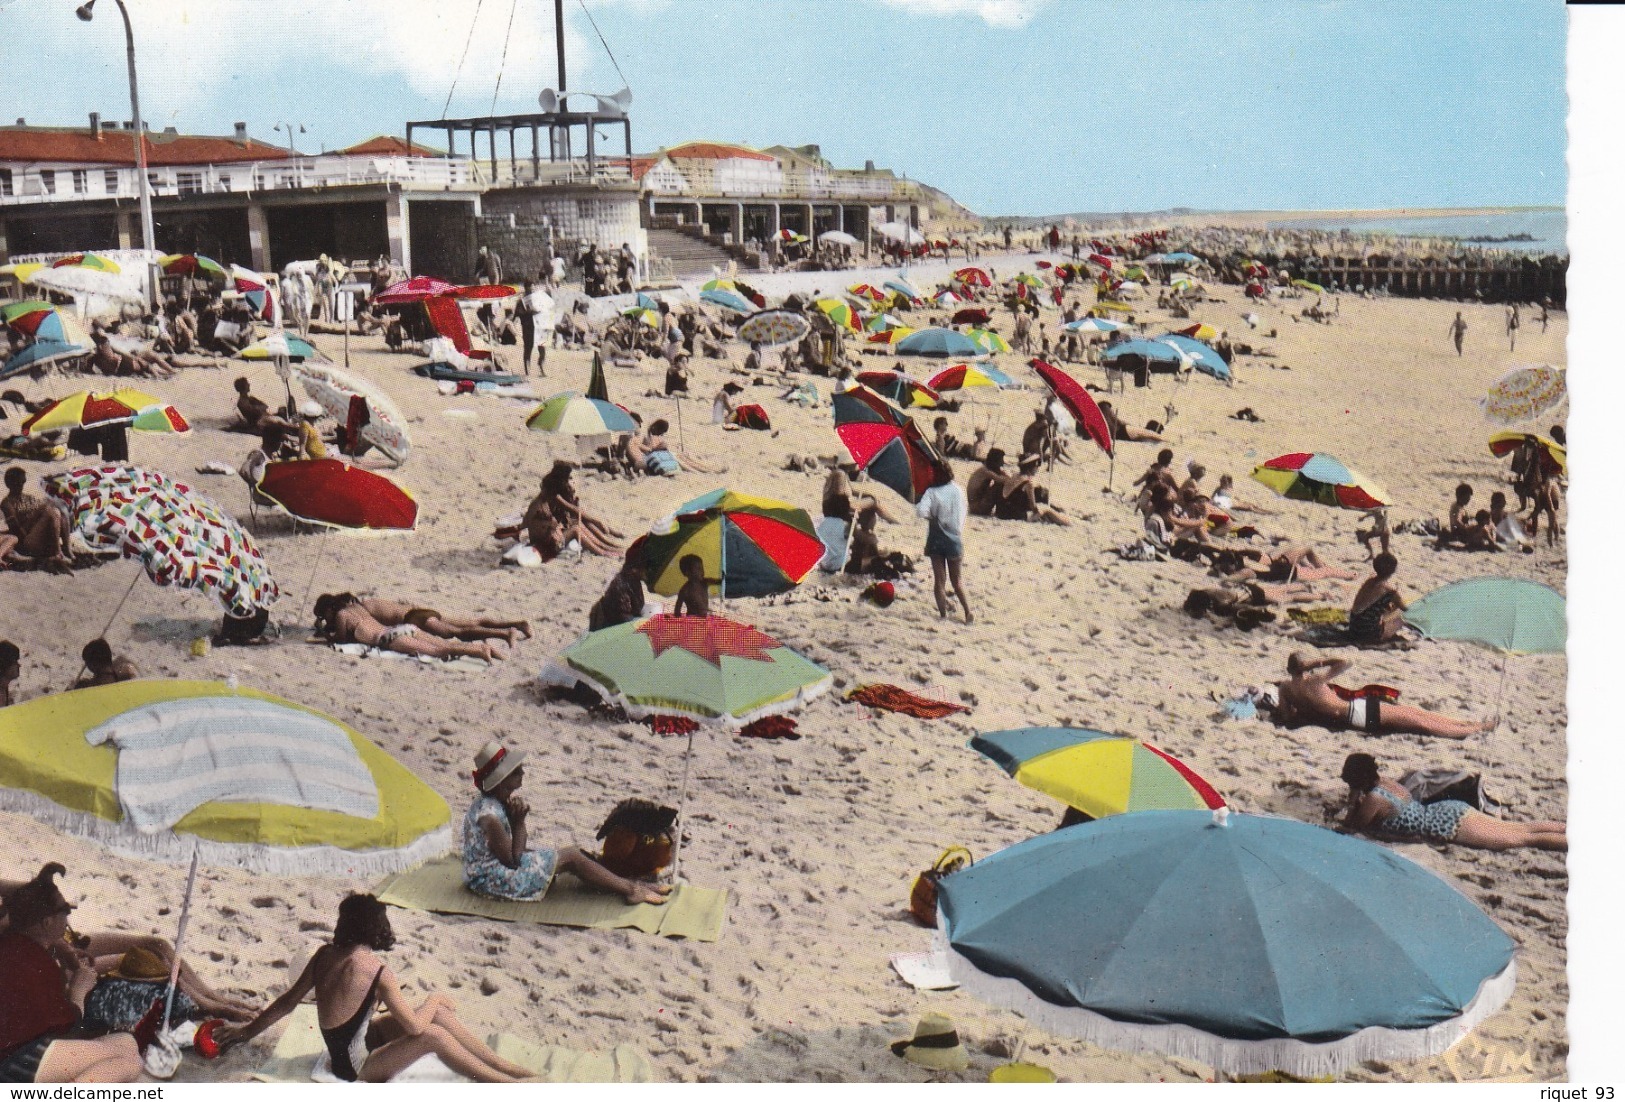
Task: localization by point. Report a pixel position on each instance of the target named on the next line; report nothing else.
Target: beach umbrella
(1322, 478)
(192, 265)
(1093, 325)
(333, 493)
(719, 285)
(868, 291)
(1181, 282)
(573, 415)
(1554, 456)
(43, 322)
(644, 315)
(974, 277)
(771, 328)
(255, 290)
(294, 347)
(1182, 258)
(899, 286)
(1134, 271)
(358, 404)
(1027, 279)
(1525, 393)
(790, 237)
(26, 317)
(1203, 357)
(964, 376)
(750, 546)
(987, 340)
(1509, 615)
(94, 261)
(89, 410)
(644, 301)
(728, 300)
(1304, 284)
(1155, 353)
(939, 342)
(412, 290)
(893, 335)
(1083, 409)
(22, 271)
(900, 231)
(40, 355)
(971, 315)
(840, 313)
(1097, 773)
(711, 669)
(1199, 331)
(947, 298)
(1109, 306)
(1246, 942)
(180, 537)
(838, 237)
(884, 442)
(883, 322)
(899, 389)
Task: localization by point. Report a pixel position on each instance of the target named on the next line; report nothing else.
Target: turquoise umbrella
(1509, 615)
(1247, 942)
(940, 342)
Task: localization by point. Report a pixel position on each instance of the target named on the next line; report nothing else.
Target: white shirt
(946, 505)
(1510, 531)
(558, 269)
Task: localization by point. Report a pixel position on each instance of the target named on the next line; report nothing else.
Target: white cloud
(995, 13)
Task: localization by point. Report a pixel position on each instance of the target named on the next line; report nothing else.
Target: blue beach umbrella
(728, 300)
(902, 287)
(1181, 258)
(1510, 615)
(1202, 356)
(939, 342)
(1154, 352)
(646, 302)
(1246, 942)
(39, 354)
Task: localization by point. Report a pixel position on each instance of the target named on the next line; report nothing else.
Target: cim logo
(1475, 1061)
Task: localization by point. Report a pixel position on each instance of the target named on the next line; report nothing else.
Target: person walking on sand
(1512, 326)
(1458, 330)
(944, 508)
(1381, 807)
(489, 267)
(1307, 698)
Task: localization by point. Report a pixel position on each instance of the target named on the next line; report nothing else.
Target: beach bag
(637, 838)
(922, 901)
(1430, 786)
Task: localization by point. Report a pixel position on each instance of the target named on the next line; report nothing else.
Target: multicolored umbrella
(644, 315)
(1093, 325)
(1030, 280)
(891, 336)
(728, 300)
(884, 442)
(840, 313)
(939, 342)
(1203, 358)
(946, 298)
(86, 410)
(357, 403)
(1200, 332)
(1322, 478)
(750, 546)
(974, 277)
(94, 261)
(1525, 393)
(884, 323)
(1510, 615)
(255, 290)
(899, 286)
(711, 669)
(770, 328)
(987, 340)
(868, 291)
(294, 347)
(180, 537)
(790, 237)
(964, 376)
(1554, 456)
(1246, 942)
(1080, 404)
(1097, 773)
(193, 265)
(335, 494)
(44, 322)
(899, 389)
(573, 415)
(25, 317)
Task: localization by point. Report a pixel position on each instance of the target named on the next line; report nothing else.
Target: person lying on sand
(1120, 431)
(1306, 698)
(1377, 609)
(341, 618)
(39, 526)
(394, 613)
(497, 859)
(651, 453)
(110, 361)
(694, 598)
(350, 981)
(103, 667)
(1294, 563)
(1024, 499)
(1383, 808)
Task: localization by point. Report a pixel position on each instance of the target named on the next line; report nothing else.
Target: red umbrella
(415, 289)
(884, 442)
(976, 277)
(972, 315)
(1078, 403)
(326, 491)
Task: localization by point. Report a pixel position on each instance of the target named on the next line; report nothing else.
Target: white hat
(494, 763)
(309, 408)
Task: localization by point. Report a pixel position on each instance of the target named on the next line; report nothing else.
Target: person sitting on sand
(1307, 698)
(11, 668)
(394, 613)
(341, 618)
(1508, 532)
(558, 497)
(694, 598)
(1377, 609)
(39, 525)
(254, 416)
(1040, 438)
(103, 667)
(1024, 499)
(1159, 472)
(497, 859)
(624, 598)
(1379, 531)
(1382, 808)
(349, 982)
(1121, 431)
(1480, 534)
(43, 985)
(984, 490)
(723, 409)
(1166, 523)
(864, 555)
(1454, 529)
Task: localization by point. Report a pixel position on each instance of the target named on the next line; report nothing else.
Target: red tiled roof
(642, 165)
(117, 147)
(387, 145)
(715, 151)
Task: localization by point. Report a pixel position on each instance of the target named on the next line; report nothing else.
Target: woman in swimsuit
(393, 613)
(1376, 613)
(1381, 807)
(350, 981)
(342, 618)
(559, 498)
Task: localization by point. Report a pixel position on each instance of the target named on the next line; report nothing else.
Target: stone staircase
(690, 253)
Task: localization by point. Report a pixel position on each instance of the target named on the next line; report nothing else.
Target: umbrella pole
(321, 547)
(109, 625)
(180, 934)
(682, 806)
(1500, 689)
(677, 401)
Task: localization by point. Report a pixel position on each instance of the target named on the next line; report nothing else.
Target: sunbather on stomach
(341, 618)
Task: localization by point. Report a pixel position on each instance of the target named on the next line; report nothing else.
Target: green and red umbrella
(750, 546)
(900, 389)
(86, 409)
(963, 376)
(1322, 478)
(335, 494)
(884, 442)
(973, 277)
(93, 261)
(194, 265)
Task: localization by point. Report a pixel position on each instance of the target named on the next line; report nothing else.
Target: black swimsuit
(347, 1043)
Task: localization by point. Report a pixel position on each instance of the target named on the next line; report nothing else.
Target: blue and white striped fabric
(177, 755)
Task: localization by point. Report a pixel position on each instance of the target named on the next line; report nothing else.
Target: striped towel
(177, 755)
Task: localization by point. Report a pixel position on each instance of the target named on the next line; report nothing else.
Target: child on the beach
(694, 599)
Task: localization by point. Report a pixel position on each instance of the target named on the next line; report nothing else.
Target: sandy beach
(817, 841)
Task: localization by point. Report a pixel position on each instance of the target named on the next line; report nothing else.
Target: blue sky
(1013, 106)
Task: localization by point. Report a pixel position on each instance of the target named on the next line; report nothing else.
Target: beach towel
(1337, 635)
(893, 698)
(361, 650)
(693, 913)
(836, 534)
(301, 1056)
(661, 461)
(1321, 615)
(177, 755)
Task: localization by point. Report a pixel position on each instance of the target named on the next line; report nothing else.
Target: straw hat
(935, 1045)
(140, 964)
(493, 764)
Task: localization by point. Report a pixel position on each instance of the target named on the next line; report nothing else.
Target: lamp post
(287, 128)
(149, 240)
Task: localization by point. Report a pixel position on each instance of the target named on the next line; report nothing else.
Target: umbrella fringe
(1234, 1057)
(176, 849)
(565, 676)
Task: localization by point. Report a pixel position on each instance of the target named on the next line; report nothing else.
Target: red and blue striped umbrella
(1318, 477)
(884, 442)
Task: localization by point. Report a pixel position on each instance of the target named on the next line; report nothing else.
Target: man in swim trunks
(394, 613)
(342, 618)
(1307, 698)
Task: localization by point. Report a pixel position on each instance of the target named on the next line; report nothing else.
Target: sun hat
(493, 764)
(935, 1045)
(140, 964)
(310, 409)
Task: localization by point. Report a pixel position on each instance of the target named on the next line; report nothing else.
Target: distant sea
(1547, 227)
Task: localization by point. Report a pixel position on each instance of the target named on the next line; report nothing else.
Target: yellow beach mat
(300, 1047)
(693, 913)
